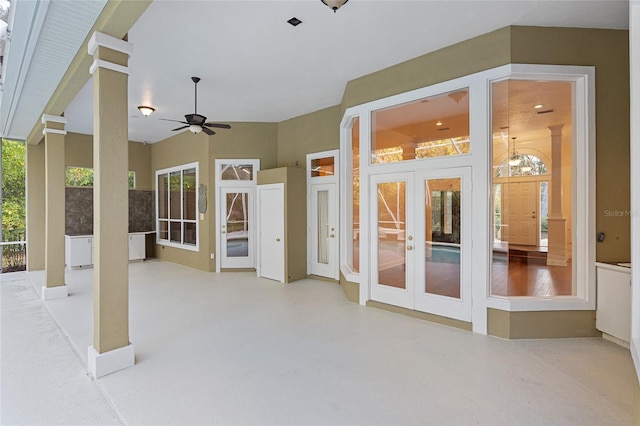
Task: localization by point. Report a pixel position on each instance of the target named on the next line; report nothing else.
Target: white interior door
(271, 249)
(324, 231)
(523, 213)
(237, 244)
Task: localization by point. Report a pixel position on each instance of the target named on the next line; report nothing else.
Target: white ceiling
(256, 67)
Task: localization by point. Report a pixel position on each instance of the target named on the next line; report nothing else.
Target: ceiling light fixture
(194, 128)
(438, 123)
(146, 110)
(538, 106)
(334, 4)
(515, 159)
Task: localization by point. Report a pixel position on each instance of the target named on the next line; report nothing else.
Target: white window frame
(169, 243)
(479, 159)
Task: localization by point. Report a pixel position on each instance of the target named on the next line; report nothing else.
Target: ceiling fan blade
(180, 128)
(177, 121)
(208, 131)
(218, 125)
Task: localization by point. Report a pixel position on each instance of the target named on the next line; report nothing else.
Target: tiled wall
(79, 211)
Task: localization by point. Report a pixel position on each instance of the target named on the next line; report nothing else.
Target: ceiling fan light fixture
(195, 128)
(146, 110)
(334, 4)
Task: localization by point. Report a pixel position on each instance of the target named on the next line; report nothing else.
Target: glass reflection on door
(391, 223)
(442, 237)
(323, 227)
(237, 224)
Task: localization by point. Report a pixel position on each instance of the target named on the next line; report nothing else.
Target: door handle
(331, 236)
(409, 247)
(277, 239)
(222, 232)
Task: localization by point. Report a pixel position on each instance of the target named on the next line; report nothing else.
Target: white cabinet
(78, 250)
(613, 313)
(137, 247)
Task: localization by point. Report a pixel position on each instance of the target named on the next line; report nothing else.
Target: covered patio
(236, 349)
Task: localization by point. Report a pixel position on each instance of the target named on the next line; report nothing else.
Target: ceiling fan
(196, 122)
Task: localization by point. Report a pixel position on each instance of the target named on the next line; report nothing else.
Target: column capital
(113, 44)
(53, 124)
(110, 42)
(556, 129)
(53, 118)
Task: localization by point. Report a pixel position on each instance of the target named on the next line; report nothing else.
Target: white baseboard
(51, 293)
(111, 361)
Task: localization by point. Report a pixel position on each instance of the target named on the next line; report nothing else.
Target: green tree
(13, 205)
(13, 189)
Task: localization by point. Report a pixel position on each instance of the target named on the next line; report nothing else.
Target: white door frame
(333, 269)
(220, 183)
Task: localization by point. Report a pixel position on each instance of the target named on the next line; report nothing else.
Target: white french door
(323, 256)
(421, 241)
(237, 245)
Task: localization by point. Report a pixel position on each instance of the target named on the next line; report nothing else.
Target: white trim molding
(110, 42)
(109, 362)
(99, 63)
(56, 131)
(53, 118)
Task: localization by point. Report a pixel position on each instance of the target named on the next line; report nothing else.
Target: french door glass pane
(323, 227)
(237, 224)
(392, 260)
(355, 151)
(442, 245)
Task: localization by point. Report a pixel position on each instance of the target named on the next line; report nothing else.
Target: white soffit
(50, 34)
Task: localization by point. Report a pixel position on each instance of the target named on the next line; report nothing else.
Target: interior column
(557, 254)
(54, 281)
(111, 350)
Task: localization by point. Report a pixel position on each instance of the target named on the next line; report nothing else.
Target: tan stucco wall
(315, 132)
(243, 140)
(35, 207)
(180, 149)
(608, 51)
(79, 153)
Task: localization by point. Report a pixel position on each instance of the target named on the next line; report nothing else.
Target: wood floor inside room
(522, 276)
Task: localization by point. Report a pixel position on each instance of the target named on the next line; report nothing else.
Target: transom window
(436, 126)
(176, 201)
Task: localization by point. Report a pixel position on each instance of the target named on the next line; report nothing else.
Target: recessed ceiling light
(538, 106)
(294, 21)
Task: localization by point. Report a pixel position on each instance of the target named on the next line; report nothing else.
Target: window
(176, 201)
(436, 126)
(82, 177)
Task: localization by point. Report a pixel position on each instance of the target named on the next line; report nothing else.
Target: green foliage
(13, 205)
(79, 176)
(13, 189)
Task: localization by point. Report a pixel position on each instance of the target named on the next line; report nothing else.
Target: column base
(111, 361)
(51, 293)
